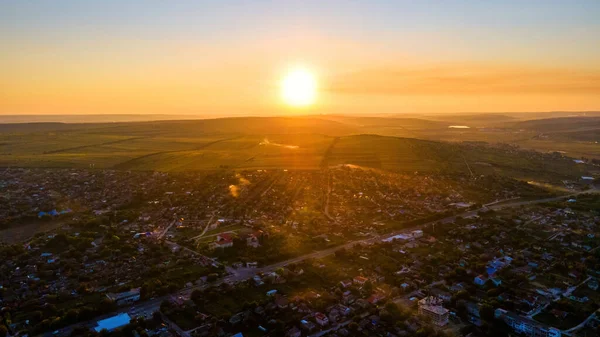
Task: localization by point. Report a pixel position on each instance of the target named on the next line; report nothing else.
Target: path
(326, 210)
(205, 228)
(160, 236)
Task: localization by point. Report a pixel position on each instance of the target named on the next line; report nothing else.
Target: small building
(224, 240)
(252, 241)
(432, 307)
(526, 326)
(417, 234)
(281, 302)
(321, 319)
(293, 332)
(308, 325)
(113, 322)
(361, 280)
(346, 283)
(126, 297)
(480, 280)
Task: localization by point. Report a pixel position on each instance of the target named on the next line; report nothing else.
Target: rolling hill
(254, 143)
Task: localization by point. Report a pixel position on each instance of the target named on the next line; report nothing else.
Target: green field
(295, 143)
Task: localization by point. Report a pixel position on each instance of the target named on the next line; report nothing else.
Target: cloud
(466, 80)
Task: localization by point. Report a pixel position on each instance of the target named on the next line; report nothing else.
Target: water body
(458, 127)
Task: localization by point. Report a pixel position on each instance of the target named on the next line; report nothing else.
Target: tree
(196, 295)
(3, 331)
(487, 312)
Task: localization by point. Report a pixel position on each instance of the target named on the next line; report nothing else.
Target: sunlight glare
(299, 88)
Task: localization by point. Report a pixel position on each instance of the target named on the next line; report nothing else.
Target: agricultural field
(305, 143)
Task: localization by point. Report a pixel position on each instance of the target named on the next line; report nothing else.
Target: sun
(299, 88)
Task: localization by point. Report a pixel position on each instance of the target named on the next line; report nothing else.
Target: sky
(225, 58)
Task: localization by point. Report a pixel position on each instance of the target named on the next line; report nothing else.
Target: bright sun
(299, 88)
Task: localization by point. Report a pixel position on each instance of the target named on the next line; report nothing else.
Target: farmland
(304, 143)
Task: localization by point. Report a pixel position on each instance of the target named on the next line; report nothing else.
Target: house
(258, 281)
(360, 280)
(237, 318)
(293, 332)
(376, 298)
(126, 297)
(272, 292)
(252, 265)
(321, 319)
(308, 325)
(344, 310)
(417, 233)
(443, 295)
(281, 302)
(480, 280)
(346, 283)
(593, 284)
(224, 240)
(252, 241)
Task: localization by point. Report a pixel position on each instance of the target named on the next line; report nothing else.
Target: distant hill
(300, 143)
(409, 155)
(559, 124)
(473, 120)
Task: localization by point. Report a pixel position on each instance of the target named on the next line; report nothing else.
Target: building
(321, 319)
(361, 280)
(480, 280)
(126, 297)
(527, 326)
(432, 307)
(399, 237)
(224, 240)
(417, 234)
(294, 332)
(113, 322)
(252, 241)
(346, 283)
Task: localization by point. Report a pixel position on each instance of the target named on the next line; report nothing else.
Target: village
(341, 252)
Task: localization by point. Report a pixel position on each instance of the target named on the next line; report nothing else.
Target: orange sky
(166, 60)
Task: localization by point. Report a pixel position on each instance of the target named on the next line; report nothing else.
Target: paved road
(242, 274)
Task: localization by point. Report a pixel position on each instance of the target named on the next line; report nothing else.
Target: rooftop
(113, 322)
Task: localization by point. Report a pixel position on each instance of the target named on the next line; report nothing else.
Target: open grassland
(402, 154)
(297, 143)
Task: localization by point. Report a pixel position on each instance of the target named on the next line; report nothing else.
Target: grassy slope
(295, 143)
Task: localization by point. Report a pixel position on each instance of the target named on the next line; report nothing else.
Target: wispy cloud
(466, 79)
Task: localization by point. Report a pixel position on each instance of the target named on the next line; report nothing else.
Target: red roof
(361, 279)
(224, 238)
